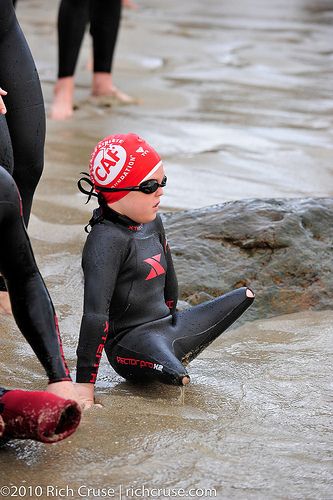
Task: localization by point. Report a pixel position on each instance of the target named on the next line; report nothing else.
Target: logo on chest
(156, 268)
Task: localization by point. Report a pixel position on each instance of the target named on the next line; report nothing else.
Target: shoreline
(232, 118)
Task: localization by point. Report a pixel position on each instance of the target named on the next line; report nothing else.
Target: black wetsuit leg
(104, 17)
(73, 17)
(104, 26)
(161, 349)
(31, 304)
(25, 116)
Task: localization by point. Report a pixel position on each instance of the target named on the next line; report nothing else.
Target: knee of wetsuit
(141, 368)
(8, 188)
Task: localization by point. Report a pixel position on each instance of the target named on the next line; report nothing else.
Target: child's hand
(85, 394)
(64, 389)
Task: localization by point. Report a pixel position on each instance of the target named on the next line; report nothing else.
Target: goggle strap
(108, 190)
(132, 188)
(114, 190)
(83, 190)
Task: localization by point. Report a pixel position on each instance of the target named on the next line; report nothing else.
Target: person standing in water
(104, 18)
(130, 287)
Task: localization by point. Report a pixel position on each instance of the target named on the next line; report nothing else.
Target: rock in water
(282, 248)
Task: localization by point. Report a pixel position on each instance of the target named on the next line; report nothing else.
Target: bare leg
(73, 17)
(104, 26)
(62, 106)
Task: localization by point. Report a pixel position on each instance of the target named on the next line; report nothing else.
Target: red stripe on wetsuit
(61, 348)
(99, 352)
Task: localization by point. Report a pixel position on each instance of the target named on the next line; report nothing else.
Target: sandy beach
(237, 97)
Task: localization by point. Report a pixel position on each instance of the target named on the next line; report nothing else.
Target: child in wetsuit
(130, 292)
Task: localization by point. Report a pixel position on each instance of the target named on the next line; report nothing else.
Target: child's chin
(150, 218)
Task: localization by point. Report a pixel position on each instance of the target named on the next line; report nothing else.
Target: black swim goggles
(147, 187)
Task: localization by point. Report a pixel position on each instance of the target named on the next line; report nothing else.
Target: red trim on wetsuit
(170, 303)
(61, 350)
(99, 352)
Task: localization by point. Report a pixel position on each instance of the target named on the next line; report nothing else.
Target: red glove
(38, 415)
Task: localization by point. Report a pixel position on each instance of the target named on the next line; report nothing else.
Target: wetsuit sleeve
(171, 283)
(102, 258)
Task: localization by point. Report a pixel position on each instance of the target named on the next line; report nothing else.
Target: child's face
(141, 207)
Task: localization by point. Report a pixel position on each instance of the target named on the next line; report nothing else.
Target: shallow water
(237, 97)
(256, 422)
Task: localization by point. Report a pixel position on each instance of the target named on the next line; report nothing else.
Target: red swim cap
(122, 160)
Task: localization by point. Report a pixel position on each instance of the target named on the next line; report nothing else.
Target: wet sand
(237, 97)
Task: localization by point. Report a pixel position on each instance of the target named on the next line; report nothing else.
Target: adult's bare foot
(102, 87)
(62, 106)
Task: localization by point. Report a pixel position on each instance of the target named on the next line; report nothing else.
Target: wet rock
(198, 298)
(282, 248)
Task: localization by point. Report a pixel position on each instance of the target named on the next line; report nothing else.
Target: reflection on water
(237, 97)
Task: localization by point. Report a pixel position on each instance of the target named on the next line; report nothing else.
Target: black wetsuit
(22, 129)
(130, 299)
(25, 414)
(104, 17)
(31, 304)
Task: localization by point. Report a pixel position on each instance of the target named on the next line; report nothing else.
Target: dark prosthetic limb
(161, 349)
